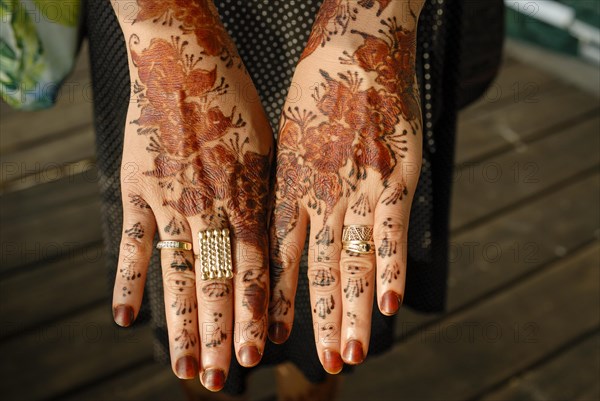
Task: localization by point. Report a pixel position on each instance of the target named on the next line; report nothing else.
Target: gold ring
(356, 232)
(170, 244)
(214, 254)
(358, 239)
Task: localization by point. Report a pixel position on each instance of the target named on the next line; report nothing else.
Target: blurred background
(523, 320)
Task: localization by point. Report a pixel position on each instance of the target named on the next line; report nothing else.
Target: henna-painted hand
(349, 153)
(196, 156)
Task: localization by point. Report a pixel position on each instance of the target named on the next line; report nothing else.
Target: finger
(251, 289)
(288, 235)
(215, 317)
(134, 255)
(324, 283)
(179, 284)
(357, 274)
(391, 234)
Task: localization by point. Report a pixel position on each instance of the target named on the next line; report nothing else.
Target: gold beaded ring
(214, 254)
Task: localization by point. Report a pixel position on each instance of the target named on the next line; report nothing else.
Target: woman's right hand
(196, 157)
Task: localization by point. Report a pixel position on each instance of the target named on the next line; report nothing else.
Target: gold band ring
(178, 245)
(214, 254)
(358, 239)
(356, 232)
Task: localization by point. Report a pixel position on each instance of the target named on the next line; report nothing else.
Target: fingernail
(249, 355)
(390, 303)
(213, 379)
(123, 315)
(353, 353)
(278, 332)
(332, 361)
(186, 367)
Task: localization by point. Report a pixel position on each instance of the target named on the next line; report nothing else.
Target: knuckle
(323, 277)
(390, 228)
(132, 249)
(215, 291)
(179, 283)
(358, 266)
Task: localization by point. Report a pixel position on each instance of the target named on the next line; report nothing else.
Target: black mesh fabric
(270, 35)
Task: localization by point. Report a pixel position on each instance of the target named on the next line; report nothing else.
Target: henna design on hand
(199, 18)
(362, 206)
(138, 201)
(280, 305)
(255, 292)
(216, 290)
(333, 18)
(352, 317)
(354, 287)
(181, 263)
(388, 248)
(128, 270)
(256, 329)
(356, 126)
(391, 272)
(174, 227)
(329, 332)
(323, 278)
(185, 339)
(126, 291)
(324, 306)
(136, 231)
(217, 336)
(200, 157)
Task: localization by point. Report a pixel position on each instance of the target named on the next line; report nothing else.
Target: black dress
(270, 36)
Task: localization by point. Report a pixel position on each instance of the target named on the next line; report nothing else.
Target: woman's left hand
(348, 162)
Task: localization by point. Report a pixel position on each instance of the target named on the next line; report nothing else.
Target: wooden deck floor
(523, 319)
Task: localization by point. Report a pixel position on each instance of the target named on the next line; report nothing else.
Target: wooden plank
(37, 159)
(39, 200)
(81, 278)
(60, 232)
(483, 188)
(572, 375)
(514, 244)
(509, 127)
(151, 381)
(516, 82)
(485, 344)
(69, 353)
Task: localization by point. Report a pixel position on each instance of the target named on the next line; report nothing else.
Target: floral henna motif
(333, 18)
(393, 58)
(325, 154)
(198, 17)
(200, 155)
